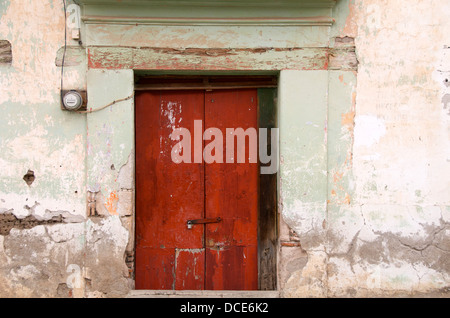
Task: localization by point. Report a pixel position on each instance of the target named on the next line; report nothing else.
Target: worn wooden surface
(341, 57)
(167, 194)
(232, 193)
(215, 256)
(268, 232)
(207, 59)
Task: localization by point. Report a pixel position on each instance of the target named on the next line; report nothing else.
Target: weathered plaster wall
(48, 246)
(364, 197)
(392, 234)
(37, 136)
(387, 217)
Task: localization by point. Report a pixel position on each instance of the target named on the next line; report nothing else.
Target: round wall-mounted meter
(72, 100)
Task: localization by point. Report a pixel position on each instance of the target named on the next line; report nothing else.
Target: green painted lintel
(279, 13)
(217, 3)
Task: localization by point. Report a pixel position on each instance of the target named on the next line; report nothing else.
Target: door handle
(190, 223)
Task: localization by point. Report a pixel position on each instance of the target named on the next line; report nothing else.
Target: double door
(196, 219)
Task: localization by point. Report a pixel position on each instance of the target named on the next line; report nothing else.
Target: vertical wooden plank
(231, 192)
(267, 233)
(167, 193)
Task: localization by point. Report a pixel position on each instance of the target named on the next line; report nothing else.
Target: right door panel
(231, 193)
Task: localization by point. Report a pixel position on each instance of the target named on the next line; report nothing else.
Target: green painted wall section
(48, 141)
(3, 7)
(302, 116)
(341, 113)
(341, 213)
(111, 130)
(227, 36)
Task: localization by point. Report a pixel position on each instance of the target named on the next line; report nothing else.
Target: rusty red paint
(209, 256)
(167, 193)
(111, 203)
(208, 59)
(232, 194)
(189, 269)
(114, 58)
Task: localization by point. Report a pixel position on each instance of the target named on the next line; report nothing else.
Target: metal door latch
(190, 223)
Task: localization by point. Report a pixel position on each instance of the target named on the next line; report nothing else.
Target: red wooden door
(232, 194)
(169, 255)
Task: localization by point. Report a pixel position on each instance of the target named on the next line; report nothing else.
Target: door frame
(302, 206)
(268, 214)
(311, 95)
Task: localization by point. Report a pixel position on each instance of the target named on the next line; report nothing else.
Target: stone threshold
(202, 294)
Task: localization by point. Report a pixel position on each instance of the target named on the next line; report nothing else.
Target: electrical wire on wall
(65, 47)
(62, 68)
(103, 107)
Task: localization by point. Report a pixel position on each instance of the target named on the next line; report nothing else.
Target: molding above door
(229, 13)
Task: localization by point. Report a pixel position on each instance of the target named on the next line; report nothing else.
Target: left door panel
(168, 254)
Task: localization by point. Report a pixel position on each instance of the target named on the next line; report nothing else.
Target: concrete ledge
(202, 294)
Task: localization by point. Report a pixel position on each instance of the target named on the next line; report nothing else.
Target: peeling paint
(111, 203)
(364, 144)
(207, 59)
